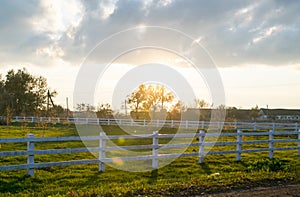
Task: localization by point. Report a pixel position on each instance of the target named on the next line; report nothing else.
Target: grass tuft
(269, 165)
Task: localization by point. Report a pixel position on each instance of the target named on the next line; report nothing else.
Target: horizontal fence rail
(188, 124)
(102, 149)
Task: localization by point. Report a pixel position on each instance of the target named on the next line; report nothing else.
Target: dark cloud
(18, 40)
(235, 32)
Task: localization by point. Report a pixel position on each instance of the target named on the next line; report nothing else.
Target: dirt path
(292, 190)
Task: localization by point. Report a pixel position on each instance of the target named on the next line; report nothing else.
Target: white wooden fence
(103, 148)
(162, 123)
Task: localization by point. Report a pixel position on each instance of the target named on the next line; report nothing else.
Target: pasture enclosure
(234, 143)
(188, 124)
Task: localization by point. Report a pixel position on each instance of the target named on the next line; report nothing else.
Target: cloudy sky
(254, 44)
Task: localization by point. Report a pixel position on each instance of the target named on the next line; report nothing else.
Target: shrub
(266, 164)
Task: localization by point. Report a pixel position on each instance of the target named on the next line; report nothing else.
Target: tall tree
(137, 98)
(150, 98)
(176, 111)
(3, 103)
(164, 96)
(23, 92)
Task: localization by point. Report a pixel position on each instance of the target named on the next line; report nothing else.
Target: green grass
(184, 176)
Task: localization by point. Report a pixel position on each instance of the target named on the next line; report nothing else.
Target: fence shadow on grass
(153, 177)
(15, 186)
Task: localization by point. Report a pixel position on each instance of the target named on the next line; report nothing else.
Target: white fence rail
(103, 148)
(160, 123)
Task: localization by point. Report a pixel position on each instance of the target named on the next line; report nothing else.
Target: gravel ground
(292, 190)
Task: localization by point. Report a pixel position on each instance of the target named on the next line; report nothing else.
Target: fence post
(271, 144)
(102, 154)
(32, 119)
(299, 142)
(30, 157)
(155, 151)
(172, 123)
(239, 145)
(273, 126)
(203, 124)
(296, 126)
(186, 124)
(201, 146)
(254, 126)
(98, 121)
(235, 125)
(144, 122)
(131, 122)
(17, 118)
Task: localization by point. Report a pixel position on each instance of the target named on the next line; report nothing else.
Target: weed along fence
(293, 142)
(160, 123)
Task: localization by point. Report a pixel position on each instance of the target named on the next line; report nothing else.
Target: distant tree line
(150, 101)
(146, 102)
(88, 110)
(23, 94)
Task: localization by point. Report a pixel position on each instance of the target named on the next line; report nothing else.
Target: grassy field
(184, 176)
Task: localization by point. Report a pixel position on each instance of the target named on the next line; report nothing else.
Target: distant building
(234, 114)
(279, 114)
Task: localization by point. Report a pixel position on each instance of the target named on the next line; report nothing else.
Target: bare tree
(201, 103)
(104, 111)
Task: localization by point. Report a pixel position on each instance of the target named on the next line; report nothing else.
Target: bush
(2, 122)
(266, 164)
